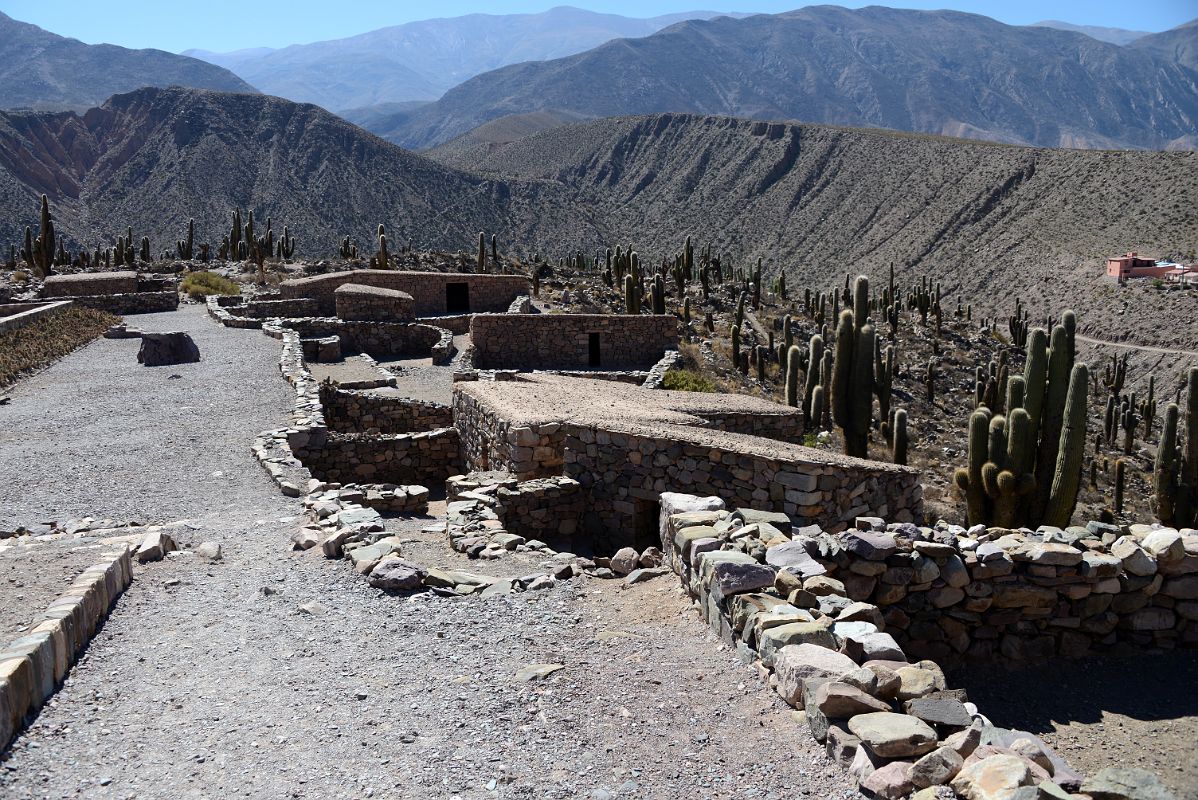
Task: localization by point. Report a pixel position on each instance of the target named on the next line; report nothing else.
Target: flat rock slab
(164, 349)
(534, 672)
(890, 735)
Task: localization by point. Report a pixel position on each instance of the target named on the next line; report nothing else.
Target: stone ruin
(122, 292)
(813, 566)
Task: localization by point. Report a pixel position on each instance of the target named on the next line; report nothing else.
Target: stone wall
(428, 289)
(419, 458)
(90, 283)
(491, 441)
(372, 303)
(625, 452)
(18, 315)
(562, 341)
(488, 513)
(137, 303)
(272, 308)
(623, 474)
(808, 607)
(378, 339)
(351, 411)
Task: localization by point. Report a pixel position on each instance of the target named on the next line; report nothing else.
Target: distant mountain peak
(42, 70)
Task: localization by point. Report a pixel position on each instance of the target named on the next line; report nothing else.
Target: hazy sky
(223, 25)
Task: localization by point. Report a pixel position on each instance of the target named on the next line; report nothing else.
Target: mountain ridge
(873, 67)
(42, 70)
(420, 60)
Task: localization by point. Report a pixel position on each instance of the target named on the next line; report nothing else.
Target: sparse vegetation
(48, 339)
(685, 380)
(199, 285)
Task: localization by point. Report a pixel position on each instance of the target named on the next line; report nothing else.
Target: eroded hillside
(992, 221)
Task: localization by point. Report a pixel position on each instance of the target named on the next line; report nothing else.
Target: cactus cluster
(853, 372)
(1175, 475)
(1025, 466)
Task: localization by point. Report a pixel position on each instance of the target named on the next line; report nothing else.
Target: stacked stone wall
(489, 441)
(562, 341)
(378, 339)
(791, 601)
(372, 304)
(136, 303)
(351, 411)
(90, 283)
(18, 315)
(622, 472)
(486, 292)
(418, 458)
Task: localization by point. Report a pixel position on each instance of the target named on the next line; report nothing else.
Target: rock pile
(891, 721)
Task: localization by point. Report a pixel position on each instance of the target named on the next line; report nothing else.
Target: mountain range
(421, 60)
(41, 70)
(941, 72)
(1119, 36)
(986, 220)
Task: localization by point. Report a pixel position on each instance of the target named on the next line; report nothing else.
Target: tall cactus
(481, 266)
(899, 434)
(883, 377)
(969, 479)
(1052, 416)
(1175, 476)
(815, 357)
(792, 376)
(853, 373)
(185, 247)
(1066, 478)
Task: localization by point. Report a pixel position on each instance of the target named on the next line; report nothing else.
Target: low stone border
(33, 666)
(18, 315)
(892, 723)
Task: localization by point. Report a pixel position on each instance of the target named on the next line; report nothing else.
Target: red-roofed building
(1132, 266)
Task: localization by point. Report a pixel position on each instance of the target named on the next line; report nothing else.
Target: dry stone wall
(623, 474)
(564, 341)
(400, 459)
(91, 283)
(18, 315)
(781, 597)
(430, 291)
(378, 339)
(372, 303)
(490, 441)
(138, 303)
(351, 411)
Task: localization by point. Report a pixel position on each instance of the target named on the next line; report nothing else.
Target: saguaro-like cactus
(969, 479)
(185, 247)
(792, 375)
(899, 434)
(1175, 477)
(1066, 479)
(481, 265)
(853, 373)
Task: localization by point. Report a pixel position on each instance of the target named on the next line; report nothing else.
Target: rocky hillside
(989, 221)
(1178, 44)
(41, 70)
(153, 158)
(420, 60)
(940, 72)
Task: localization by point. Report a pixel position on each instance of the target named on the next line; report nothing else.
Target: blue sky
(233, 24)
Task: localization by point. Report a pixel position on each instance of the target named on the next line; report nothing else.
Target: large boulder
(164, 349)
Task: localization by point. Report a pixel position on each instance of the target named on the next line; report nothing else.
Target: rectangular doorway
(593, 359)
(646, 530)
(457, 298)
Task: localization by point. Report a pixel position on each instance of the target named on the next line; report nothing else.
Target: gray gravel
(202, 684)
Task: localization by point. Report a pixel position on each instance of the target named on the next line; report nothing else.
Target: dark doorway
(457, 298)
(645, 525)
(593, 359)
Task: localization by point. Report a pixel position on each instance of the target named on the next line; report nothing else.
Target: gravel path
(203, 684)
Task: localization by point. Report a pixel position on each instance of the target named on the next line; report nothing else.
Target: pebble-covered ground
(276, 674)
(1135, 709)
(33, 573)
